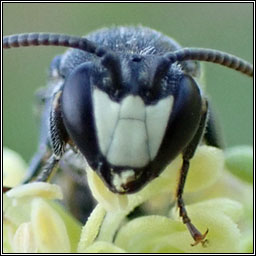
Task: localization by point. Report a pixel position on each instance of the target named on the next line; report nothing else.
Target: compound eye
(187, 108)
(76, 100)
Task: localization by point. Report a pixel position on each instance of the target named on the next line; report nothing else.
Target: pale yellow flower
(215, 199)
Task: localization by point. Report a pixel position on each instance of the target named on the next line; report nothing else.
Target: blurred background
(224, 26)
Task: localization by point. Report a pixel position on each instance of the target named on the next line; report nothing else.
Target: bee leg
(46, 161)
(187, 155)
(58, 139)
(48, 106)
(36, 164)
(44, 150)
(49, 168)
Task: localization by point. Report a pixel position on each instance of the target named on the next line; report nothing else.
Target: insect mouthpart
(122, 181)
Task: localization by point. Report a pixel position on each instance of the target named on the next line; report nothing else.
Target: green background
(224, 26)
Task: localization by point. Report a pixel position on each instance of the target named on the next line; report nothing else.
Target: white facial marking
(106, 116)
(157, 117)
(130, 133)
(123, 178)
(132, 107)
(129, 144)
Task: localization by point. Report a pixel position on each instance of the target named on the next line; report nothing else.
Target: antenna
(209, 55)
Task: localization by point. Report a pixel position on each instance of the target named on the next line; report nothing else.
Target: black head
(112, 116)
(110, 107)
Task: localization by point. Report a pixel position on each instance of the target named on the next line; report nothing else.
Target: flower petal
(229, 186)
(73, 226)
(49, 229)
(110, 225)
(16, 211)
(91, 228)
(231, 208)
(24, 240)
(103, 247)
(247, 242)
(239, 161)
(205, 168)
(9, 230)
(144, 234)
(40, 189)
(158, 234)
(14, 168)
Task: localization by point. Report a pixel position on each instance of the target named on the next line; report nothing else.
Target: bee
(128, 100)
